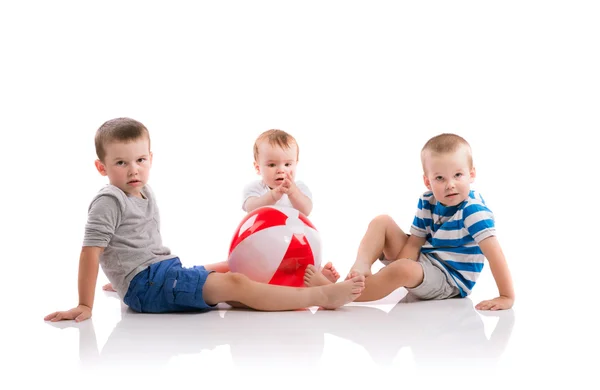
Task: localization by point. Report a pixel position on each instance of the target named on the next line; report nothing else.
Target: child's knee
(236, 279)
(382, 220)
(407, 270)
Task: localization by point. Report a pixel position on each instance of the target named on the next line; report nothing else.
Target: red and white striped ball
(274, 245)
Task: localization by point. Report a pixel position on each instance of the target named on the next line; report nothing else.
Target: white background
(361, 85)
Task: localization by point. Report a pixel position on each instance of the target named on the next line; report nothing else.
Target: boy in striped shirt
(452, 233)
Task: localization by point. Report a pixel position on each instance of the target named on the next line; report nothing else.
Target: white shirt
(259, 188)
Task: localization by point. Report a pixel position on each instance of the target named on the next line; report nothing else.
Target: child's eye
(288, 164)
(120, 163)
(439, 178)
(458, 175)
(141, 160)
(271, 165)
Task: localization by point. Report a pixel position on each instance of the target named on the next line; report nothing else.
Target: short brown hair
(276, 137)
(121, 130)
(446, 143)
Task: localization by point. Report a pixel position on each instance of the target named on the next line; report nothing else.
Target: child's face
(127, 165)
(449, 176)
(274, 162)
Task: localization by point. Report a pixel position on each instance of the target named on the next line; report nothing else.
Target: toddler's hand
(277, 193)
(288, 186)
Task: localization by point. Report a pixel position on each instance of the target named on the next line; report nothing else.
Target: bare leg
(383, 235)
(237, 305)
(400, 273)
(108, 287)
(260, 296)
(330, 272)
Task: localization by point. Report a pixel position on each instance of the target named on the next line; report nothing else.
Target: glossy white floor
(361, 85)
(397, 341)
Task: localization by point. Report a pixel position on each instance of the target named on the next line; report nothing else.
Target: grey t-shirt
(129, 230)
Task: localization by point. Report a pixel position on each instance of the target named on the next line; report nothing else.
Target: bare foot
(359, 269)
(330, 272)
(339, 294)
(108, 287)
(314, 278)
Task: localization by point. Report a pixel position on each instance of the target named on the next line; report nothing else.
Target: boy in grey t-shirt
(122, 235)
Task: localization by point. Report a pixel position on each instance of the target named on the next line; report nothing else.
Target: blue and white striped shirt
(452, 236)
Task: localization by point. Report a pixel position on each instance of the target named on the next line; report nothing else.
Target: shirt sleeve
(254, 189)
(479, 221)
(419, 226)
(104, 216)
(304, 189)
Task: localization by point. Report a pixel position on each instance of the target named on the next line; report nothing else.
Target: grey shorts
(435, 284)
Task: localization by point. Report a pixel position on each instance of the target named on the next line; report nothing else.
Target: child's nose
(133, 169)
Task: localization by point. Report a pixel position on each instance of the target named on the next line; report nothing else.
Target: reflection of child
(275, 160)
(437, 332)
(123, 235)
(453, 232)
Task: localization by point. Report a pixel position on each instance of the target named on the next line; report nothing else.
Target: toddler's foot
(314, 278)
(330, 272)
(108, 287)
(339, 294)
(359, 269)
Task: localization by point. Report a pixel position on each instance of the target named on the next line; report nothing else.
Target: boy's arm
(268, 199)
(88, 274)
(412, 248)
(301, 202)
(493, 252)
(298, 195)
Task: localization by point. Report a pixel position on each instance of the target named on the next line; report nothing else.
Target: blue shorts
(167, 287)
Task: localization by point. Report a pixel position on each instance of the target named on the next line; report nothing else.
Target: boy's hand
(499, 303)
(79, 313)
(277, 193)
(288, 186)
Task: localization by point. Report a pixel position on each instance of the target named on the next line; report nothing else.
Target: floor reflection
(438, 333)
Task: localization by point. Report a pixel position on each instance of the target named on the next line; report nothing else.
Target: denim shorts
(168, 287)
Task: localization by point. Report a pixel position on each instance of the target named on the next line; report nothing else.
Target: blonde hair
(119, 130)
(276, 137)
(446, 143)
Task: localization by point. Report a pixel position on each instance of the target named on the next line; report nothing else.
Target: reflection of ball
(274, 245)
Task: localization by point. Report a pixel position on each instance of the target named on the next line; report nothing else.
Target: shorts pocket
(181, 286)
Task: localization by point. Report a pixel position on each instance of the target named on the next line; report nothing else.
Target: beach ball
(274, 245)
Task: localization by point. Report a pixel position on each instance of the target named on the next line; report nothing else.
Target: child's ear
(100, 167)
(257, 168)
(472, 174)
(427, 182)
